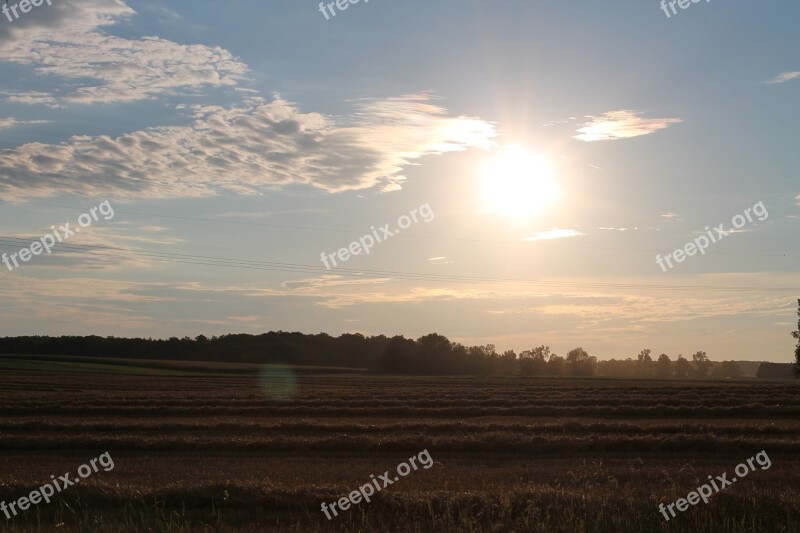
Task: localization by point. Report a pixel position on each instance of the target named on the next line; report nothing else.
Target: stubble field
(214, 447)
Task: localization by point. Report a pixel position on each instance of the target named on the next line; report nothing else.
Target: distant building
(775, 371)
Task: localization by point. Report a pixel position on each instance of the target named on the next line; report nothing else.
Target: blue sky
(561, 147)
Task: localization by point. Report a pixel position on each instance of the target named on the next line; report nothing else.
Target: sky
(538, 165)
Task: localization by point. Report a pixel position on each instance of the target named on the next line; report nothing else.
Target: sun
(518, 183)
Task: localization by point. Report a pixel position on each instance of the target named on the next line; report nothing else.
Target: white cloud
(784, 77)
(797, 199)
(8, 123)
(66, 40)
(552, 234)
(32, 98)
(621, 124)
(246, 150)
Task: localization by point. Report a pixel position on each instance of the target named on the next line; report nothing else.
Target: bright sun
(518, 183)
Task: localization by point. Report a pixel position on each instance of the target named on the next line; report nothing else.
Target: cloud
(552, 234)
(340, 299)
(83, 15)
(32, 98)
(797, 199)
(118, 305)
(635, 306)
(8, 123)
(622, 124)
(245, 150)
(784, 77)
(672, 216)
(66, 40)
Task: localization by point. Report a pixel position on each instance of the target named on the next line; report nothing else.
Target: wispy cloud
(32, 98)
(552, 234)
(8, 123)
(246, 150)
(785, 76)
(622, 124)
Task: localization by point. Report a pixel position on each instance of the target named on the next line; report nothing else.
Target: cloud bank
(246, 150)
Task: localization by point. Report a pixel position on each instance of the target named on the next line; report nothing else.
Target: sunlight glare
(518, 183)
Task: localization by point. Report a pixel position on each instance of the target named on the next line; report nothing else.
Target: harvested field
(223, 449)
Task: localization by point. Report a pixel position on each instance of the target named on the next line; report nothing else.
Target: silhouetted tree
(796, 335)
(507, 363)
(555, 365)
(727, 369)
(483, 359)
(433, 355)
(663, 366)
(701, 364)
(682, 367)
(534, 362)
(623, 368)
(580, 363)
(645, 364)
(400, 356)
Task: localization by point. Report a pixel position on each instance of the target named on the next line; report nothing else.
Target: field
(215, 447)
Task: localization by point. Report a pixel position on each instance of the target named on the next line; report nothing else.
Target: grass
(67, 363)
(220, 451)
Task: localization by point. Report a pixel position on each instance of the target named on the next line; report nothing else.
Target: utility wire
(410, 236)
(14, 242)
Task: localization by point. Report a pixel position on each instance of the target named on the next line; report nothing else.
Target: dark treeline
(796, 335)
(431, 354)
(348, 350)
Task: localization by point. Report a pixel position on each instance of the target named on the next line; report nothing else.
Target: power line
(200, 260)
(409, 236)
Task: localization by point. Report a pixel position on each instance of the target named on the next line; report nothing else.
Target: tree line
(431, 354)
(796, 335)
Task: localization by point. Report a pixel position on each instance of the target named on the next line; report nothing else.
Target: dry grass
(224, 452)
